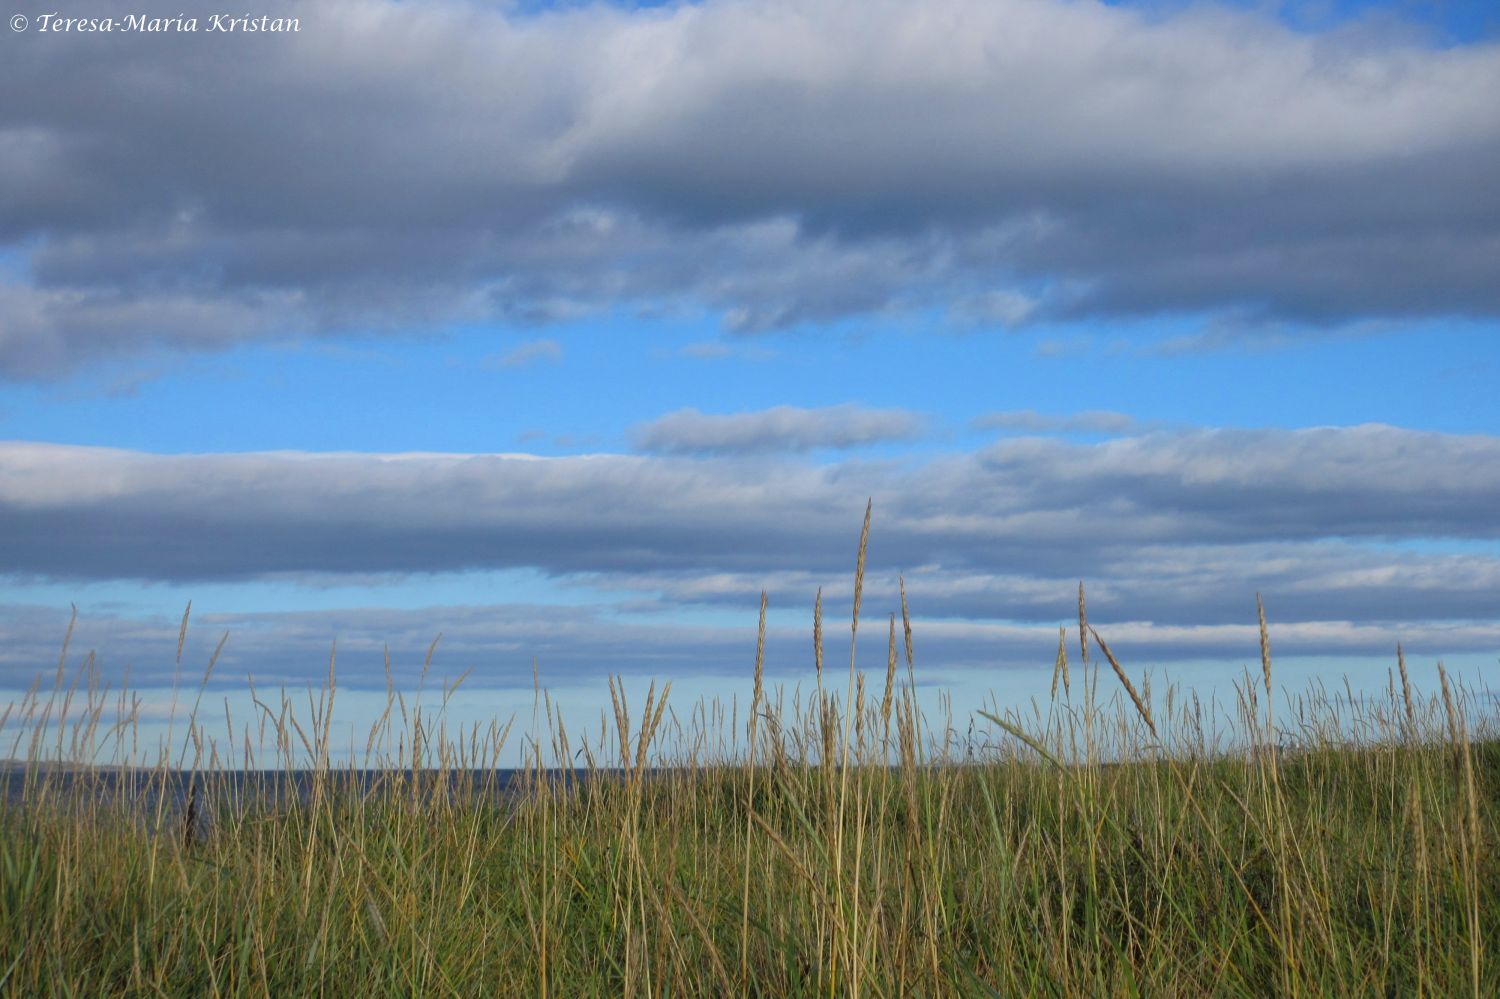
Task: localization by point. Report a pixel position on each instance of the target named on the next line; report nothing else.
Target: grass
(1105, 844)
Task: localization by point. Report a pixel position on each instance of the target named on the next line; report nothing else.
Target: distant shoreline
(55, 766)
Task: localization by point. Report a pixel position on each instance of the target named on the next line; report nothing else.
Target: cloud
(1376, 527)
(1007, 309)
(499, 643)
(401, 166)
(1356, 537)
(1091, 421)
(523, 354)
(1185, 585)
(1029, 505)
(780, 428)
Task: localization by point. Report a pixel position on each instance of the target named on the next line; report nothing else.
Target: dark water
(169, 796)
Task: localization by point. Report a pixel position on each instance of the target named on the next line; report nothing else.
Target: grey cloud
(1178, 529)
(397, 166)
(1091, 421)
(780, 428)
(1180, 586)
(574, 646)
(1370, 481)
(79, 511)
(570, 644)
(40, 330)
(1009, 309)
(1036, 505)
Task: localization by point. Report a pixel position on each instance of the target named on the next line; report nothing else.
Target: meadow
(828, 840)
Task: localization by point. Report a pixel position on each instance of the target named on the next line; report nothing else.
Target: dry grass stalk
(1454, 724)
(859, 586)
(650, 722)
(1411, 709)
(890, 679)
(906, 622)
(1060, 666)
(622, 718)
(859, 711)
(756, 697)
(182, 631)
(1083, 626)
(1470, 827)
(760, 662)
(859, 572)
(911, 676)
(62, 657)
(817, 632)
(829, 731)
(1265, 648)
(1140, 706)
(849, 709)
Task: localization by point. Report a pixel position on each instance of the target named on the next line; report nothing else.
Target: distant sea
(143, 792)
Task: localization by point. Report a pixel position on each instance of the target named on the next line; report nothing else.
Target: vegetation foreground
(1089, 849)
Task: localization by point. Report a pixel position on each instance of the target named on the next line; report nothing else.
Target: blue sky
(1189, 301)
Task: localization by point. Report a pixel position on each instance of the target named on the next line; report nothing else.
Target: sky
(564, 330)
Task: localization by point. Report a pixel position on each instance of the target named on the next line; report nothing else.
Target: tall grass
(1105, 843)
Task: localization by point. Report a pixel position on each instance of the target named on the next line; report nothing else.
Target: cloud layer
(1025, 505)
(1356, 536)
(399, 166)
(572, 647)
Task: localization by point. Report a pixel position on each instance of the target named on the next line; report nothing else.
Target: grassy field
(1092, 848)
